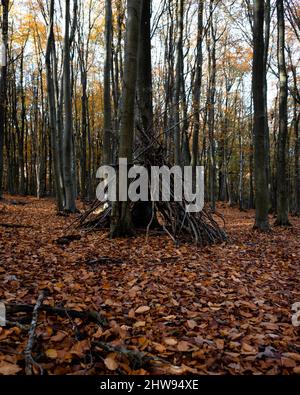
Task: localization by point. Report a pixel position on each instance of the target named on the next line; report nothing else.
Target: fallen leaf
(183, 346)
(58, 337)
(139, 324)
(7, 368)
(220, 344)
(159, 347)
(191, 324)
(170, 341)
(247, 349)
(110, 362)
(288, 362)
(296, 370)
(51, 353)
(142, 310)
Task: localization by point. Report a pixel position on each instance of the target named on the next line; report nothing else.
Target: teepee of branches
(202, 228)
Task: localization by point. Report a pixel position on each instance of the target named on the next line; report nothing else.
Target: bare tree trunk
(107, 132)
(22, 130)
(297, 162)
(121, 224)
(260, 154)
(241, 170)
(54, 132)
(211, 110)
(197, 87)
(178, 86)
(3, 85)
(282, 185)
(267, 25)
(69, 182)
(145, 75)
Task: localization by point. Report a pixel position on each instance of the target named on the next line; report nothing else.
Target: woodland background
(185, 82)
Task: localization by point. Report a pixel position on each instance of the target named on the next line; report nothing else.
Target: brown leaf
(142, 310)
(58, 337)
(191, 324)
(170, 341)
(288, 362)
(110, 362)
(159, 347)
(220, 344)
(7, 368)
(247, 349)
(139, 324)
(296, 370)
(183, 346)
(80, 348)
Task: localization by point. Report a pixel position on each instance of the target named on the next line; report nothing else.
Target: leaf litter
(223, 309)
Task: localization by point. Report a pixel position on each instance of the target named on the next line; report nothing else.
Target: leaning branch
(29, 361)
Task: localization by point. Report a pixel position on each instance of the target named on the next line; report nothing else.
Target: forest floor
(224, 309)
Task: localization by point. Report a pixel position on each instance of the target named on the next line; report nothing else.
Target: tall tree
(145, 74)
(107, 129)
(260, 147)
(54, 124)
(68, 150)
(212, 70)
(178, 84)
(3, 84)
(121, 223)
(282, 184)
(197, 86)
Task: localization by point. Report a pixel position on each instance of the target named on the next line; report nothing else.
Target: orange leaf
(51, 353)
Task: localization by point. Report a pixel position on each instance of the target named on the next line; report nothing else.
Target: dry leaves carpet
(224, 309)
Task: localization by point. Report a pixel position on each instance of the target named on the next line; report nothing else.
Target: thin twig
(29, 361)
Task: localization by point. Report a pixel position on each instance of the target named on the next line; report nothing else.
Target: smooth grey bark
(260, 149)
(168, 119)
(297, 162)
(178, 86)
(282, 184)
(22, 130)
(121, 223)
(212, 67)
(197, 86)
(69, 182)
(107, 130)
(52, 102)
(267, 26)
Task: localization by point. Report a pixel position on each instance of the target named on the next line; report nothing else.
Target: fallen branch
(136, 358)
(17, 324)
(29, 361)
(62, 312)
